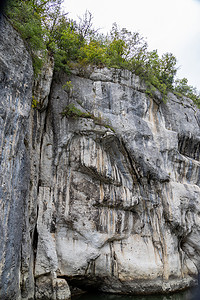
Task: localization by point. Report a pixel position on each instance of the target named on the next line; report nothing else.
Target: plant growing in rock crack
(68, 87)
(35, 103)
(71, 111)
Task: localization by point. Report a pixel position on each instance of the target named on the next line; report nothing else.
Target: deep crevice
(189, 146)
(132, 164)
(34, 246)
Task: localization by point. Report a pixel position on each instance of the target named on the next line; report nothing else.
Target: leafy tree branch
(45, 28)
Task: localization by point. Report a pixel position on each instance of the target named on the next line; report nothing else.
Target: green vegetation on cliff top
(46, 29)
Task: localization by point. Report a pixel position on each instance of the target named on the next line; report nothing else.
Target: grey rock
(42, 83)
(125, 201)
(48, 287)
(37, 119)
(15, 103)
(110, 201)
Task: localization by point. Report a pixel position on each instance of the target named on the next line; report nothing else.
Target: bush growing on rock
(46, 28)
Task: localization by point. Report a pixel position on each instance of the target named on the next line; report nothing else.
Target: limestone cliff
(15, 105)
(105, 197)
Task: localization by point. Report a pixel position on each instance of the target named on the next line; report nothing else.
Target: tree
(35, 20)
(85, 27)
(45, 28)
(182, 87)
(93, 53)
(168, 69)
(67, 44)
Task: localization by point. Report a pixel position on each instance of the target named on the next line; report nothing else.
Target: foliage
(71, 111)
(68, 86)
(27, 22)
(67, 44)
(45, 27)
(93, 53)
(35, 102)
(85, 27)
(158, 72)
(182, 87)
(69, 39)
(35, 20)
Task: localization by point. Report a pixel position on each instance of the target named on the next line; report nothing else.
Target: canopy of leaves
(181, 87)
(36, 21)
(45, 27)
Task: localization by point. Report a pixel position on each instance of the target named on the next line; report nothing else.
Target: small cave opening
(83, 284)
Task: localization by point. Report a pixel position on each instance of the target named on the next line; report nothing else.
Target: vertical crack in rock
(34, 245)
(189, 146)
(132, 164)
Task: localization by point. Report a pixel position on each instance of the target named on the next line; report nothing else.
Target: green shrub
(44, 27)
(93, 53)
(68, 86)
(71, 111)
(35, 102)
(183, 88)
(34, 20)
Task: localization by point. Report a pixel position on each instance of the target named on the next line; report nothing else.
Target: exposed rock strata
(109, 202)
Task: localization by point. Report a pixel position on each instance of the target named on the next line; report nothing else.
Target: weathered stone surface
(109, 202)
(37, 117)
(15, 104)
(119, 210)
(20, 140)
(50, 287)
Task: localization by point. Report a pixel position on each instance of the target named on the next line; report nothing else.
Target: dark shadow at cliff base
(192, 294)
(2, 6)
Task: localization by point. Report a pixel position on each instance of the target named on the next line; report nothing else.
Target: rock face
(110, 198)
(119, 192)
(15, 104)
